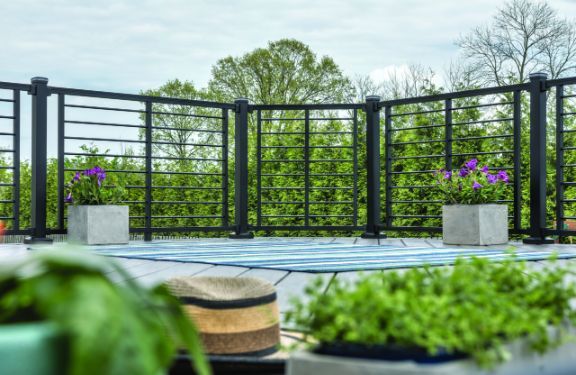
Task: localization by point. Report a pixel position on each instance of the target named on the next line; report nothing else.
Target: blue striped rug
(311, 256)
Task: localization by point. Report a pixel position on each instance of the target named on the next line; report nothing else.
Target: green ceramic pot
(32, 349)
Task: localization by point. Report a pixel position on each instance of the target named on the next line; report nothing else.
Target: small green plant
(86, 188)
(471, 184)
(111, 328)
(474, 308)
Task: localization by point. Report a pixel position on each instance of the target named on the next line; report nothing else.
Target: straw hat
(235, 315)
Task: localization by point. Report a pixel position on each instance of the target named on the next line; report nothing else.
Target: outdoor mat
(311, 256)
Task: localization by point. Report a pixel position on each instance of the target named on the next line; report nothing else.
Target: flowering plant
(472, 184)
(86, 189)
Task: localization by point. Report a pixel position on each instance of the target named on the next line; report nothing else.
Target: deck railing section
(10, 152)
(565, 147)
(173, 144)
(423, 135)
(311, 167)
(306, 167)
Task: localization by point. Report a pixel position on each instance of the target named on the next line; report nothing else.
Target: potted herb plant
(94, 216)
(470, 215)
(60, 313)
(475, 318)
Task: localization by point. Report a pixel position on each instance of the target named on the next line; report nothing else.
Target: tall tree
(287, 71)
(523, 37)
(406, 82)
(176, 126)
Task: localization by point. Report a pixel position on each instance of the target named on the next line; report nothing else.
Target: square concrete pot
(475, 224)
(98, 225)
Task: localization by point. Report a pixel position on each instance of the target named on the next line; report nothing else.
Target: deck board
(294, 284)
(230, 271)
(175, 270)
(272, 276)
(288, 284)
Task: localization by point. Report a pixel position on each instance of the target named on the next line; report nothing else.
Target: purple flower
(448, 175)
(492, 178)
(484, 169)
(476, 185)
(463, 172)
(472, 164)
(68, 198)
(503, 176)
(77, 176)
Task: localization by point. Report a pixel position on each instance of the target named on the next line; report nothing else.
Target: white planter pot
(98, 225)
(555, 362)
(475, 224)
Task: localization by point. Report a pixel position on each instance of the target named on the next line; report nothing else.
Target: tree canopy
(287, 71)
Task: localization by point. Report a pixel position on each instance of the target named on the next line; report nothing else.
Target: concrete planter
(555, 362)
(475, 224)
(98, 225)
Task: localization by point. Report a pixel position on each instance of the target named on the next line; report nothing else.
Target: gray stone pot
(98, 225)
(559, 361)
(475, 224)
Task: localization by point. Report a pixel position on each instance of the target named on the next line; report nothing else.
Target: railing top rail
(15, 86)
(139, 98)
(455, 95)
(561, 81)
(302, 107)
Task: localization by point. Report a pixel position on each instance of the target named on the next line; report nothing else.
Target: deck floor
(288, 284)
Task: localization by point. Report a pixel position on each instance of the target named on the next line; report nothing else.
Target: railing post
(148, 171)
(241, 170)
(537, 160)
(373, 168)
(40, 93)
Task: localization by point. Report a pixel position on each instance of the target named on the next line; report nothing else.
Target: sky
(132, 45)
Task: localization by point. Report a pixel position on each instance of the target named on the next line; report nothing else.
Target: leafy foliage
(86, 189)
(112, 329)
(476, 307)
(287, 71)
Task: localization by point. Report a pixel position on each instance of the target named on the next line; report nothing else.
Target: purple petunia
(68, 198)
(98, 172)
(472, 164)
(447, 175)
(476, 185)
(503, 176)
(492, 178)
(463, 172)
(484, 169)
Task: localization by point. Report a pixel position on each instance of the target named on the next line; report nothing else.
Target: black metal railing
(10, 131)
(295, 167)
(321, 139)
(444, 131)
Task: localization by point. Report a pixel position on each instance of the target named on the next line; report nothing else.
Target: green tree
(177, 126)
(286, 72)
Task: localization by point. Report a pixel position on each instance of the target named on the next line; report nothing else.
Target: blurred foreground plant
(111, 328)
(474, 308)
